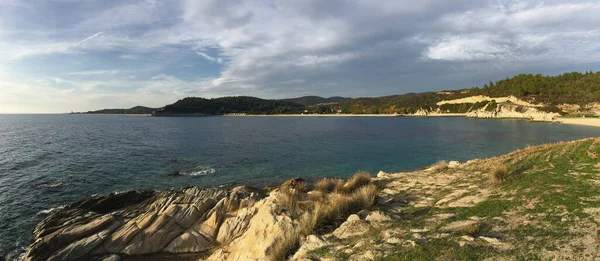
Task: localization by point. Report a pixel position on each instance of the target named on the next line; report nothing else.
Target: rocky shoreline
(506, 208)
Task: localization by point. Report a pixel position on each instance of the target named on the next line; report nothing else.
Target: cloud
(210, 58)
(96, 72)
(279, 49)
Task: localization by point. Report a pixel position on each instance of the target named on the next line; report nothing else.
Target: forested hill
(134, 110)
(225, 105)
(313, 100)
(568, 88)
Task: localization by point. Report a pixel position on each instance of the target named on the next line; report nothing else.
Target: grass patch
(499, 173)
(438, 167)
(320, 210)
(441, 249)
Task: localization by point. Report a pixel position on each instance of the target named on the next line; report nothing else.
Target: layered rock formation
(121, 225)
(512, 111)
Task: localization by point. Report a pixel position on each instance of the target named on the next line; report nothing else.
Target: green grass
(441, 249)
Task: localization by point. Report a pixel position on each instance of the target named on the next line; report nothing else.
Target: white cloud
(210, 58)
(95, 72)
(286, 48)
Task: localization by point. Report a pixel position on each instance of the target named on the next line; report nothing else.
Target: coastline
(593, 122)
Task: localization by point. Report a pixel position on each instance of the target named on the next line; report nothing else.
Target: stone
(462, 226)
(409, 243)
(311, 242)
(453, 164)
(393, 240)
(295, 183)
(112, 257)
(352, 227)
(377, 217)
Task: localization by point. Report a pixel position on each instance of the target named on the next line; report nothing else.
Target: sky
(69, 55)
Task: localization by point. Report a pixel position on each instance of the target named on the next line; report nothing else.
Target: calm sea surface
(50, 160)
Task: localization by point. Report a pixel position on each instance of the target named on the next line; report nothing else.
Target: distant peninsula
(133, 110)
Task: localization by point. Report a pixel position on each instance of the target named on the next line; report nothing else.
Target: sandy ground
(595, 122)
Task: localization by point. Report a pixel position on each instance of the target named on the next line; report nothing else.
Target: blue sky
(68, 55)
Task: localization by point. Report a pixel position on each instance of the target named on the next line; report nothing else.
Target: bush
(491, 106)
(283, 247)
(499, 173)
(358, 180)
(551, 109)
(439, 166)
(327, 185)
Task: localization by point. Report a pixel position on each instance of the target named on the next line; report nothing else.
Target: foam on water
(200, 171)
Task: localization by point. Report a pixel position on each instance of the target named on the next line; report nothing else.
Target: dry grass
(358, 180)
(316, 196)
(288, 200)
(338, 207)
(283, 247)
(321, 210)
(439, 166)
(328, 184)
(499, 173)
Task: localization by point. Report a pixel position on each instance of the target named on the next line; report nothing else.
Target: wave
(50, 210)
(200, 171)
(51, 184)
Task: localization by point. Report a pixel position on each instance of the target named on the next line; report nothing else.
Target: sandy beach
(595, 122)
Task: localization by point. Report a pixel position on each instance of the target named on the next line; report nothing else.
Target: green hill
(133, 110)
(224, 105)
(313, 100)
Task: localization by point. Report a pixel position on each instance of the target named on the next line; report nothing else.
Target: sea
(48, 161)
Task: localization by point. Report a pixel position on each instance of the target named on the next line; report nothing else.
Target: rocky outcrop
(190, 220)
(512, 111)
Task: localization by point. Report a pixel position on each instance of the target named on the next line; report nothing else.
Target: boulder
(311, 242)
(353, 227)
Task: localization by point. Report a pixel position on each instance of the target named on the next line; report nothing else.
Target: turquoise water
(50, 160)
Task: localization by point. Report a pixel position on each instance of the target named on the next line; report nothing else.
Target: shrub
(439, 166)
(328, 184)
(499, 173)
(288, 201)
(358, 180)
(283, 246)
(491, 106)
(551, 109)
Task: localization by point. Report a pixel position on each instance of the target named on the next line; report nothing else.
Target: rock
(372, 255)
(354, 226)
(467, 238)
(377, 217)
(453, 164)
(419, 230)
(312, 242)
(382, 174)
(463, 226)
(393, 240)
(495, 242)
(296, 183)
(132, 223)
(409, 243)
(175, 173)
(112, 257)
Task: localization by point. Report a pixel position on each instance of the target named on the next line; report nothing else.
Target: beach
(595, 122)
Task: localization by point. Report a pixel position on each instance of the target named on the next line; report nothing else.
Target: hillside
(581, 90)
(314, 100)
(225, 105)
(133, 110)
(539, 203)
